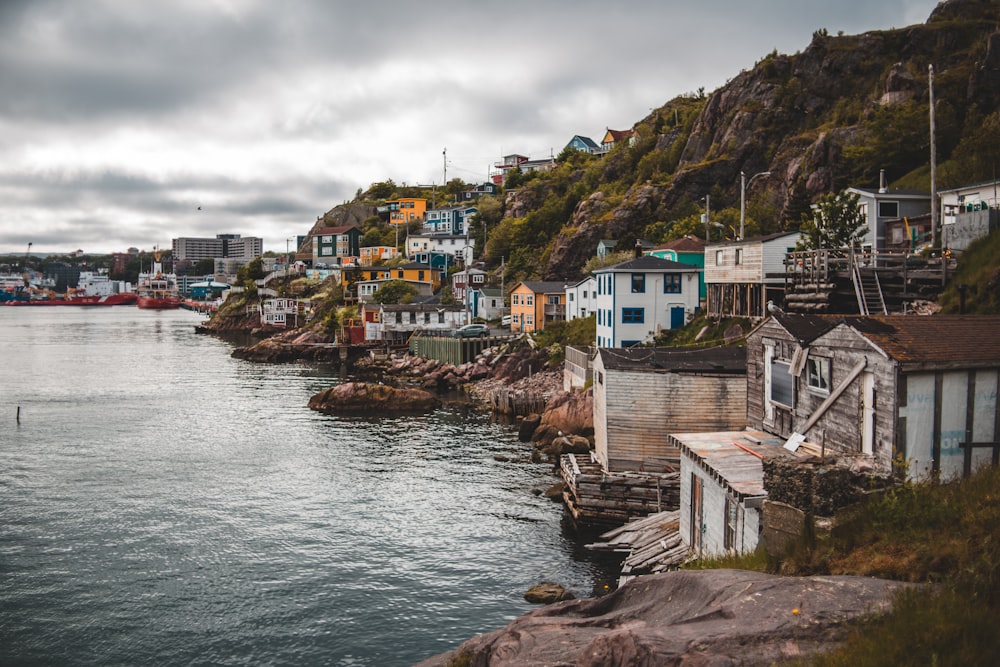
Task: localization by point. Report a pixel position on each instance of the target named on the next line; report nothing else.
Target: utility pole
(444, 159)
(707, 239)
(934, 204)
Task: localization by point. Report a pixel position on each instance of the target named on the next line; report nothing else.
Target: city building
(231, 246)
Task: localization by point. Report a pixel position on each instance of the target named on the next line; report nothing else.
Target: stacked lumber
(653, 544)
(596, 497)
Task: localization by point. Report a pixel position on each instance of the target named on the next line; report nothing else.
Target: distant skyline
(129, 124)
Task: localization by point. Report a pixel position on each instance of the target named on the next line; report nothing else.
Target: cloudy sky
(128, 123)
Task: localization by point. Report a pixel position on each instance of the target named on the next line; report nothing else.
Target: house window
(514, 300)
(420, 276)
(782, 384)
(529, 299)
(427, 317)
(399, 274)
(584, 294)
(553, 299)
(399, 317)
(413, 317)
(888, 209)
(633, 315)
(672, 283)
(720, 257)
(515, 318)
(739, 256)
(569, 296)
(529, 320)
(477, 278)
(818, 374)
(441, 317)
(638, 283)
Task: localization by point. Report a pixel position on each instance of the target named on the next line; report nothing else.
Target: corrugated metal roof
(727, 456)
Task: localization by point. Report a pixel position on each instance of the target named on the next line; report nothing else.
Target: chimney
(638, 249)
(881, 181)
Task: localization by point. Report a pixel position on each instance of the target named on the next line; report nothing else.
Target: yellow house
(533, 303)
(367, 280)
(406, 209)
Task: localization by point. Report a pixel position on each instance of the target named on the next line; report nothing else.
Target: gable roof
(618, 135)
(544, 286)
(729, 360)
(686, 243)
(586, 141)
(330, 231)
(648, 263)
(963, 340)
(756, 239)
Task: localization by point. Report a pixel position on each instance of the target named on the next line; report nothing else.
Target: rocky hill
(829, 117)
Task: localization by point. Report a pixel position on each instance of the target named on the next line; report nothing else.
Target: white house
(638, 298)
(968, 213)
(581, 298)
(448, 244)
(395, 323)
(487, 303)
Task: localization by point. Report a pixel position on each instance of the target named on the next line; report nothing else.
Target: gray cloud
(117, 119)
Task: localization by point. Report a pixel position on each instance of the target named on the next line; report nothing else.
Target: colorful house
(533, 303)
(686, 250)
(336, 245)
(404, 210)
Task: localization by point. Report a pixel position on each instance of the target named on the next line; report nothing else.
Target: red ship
(157, 290)
(122, 299)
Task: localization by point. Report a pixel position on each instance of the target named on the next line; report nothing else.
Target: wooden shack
(642, 394)
(722, 489)
(916, 393)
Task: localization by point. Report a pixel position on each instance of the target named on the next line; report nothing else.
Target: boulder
(528, 426)
(697, 617)
(365, 398)
(547, 593)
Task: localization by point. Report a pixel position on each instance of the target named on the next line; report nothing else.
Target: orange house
(406, 209)
(533, 303)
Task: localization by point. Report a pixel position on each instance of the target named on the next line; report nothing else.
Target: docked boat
(157, 290)
(125, 298)
(92, 290)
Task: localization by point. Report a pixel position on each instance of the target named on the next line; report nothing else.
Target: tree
(837, 223)
(395, 291)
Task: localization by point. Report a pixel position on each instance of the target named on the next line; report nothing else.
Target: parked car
(472, 331)
(505, 321)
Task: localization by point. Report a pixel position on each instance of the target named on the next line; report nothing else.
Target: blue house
(585, 144)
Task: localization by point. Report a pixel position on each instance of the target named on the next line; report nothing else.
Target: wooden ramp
(653, 544)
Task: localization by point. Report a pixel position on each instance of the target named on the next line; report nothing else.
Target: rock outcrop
(707, 617)
(569, 413)
(366, 398)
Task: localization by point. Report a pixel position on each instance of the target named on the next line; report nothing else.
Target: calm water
(164, 503)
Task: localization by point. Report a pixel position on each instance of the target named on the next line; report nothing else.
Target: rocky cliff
(829, 117)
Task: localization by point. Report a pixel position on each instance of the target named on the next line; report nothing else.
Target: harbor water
(164, 503)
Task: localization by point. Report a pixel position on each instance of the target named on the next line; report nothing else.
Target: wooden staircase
(868, 289)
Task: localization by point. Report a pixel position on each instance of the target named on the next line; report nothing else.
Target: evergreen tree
(837, 223)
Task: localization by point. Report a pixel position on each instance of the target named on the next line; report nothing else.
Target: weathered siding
(713, 515)
(773, 257)
(747, 271)
(638, 409)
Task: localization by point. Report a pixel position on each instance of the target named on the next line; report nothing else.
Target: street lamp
(744, 183)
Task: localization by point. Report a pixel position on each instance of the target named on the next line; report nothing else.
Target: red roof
(684, 244)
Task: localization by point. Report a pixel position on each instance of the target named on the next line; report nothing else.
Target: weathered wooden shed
(642, 394)
(916, 392)
(722, 488)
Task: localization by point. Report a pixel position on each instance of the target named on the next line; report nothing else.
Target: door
(697, 513)
(676, 317)
(867, 413)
